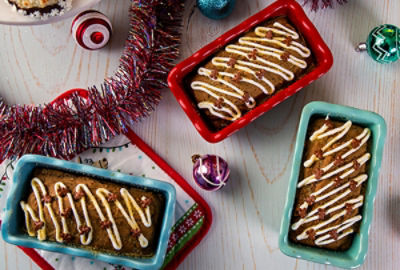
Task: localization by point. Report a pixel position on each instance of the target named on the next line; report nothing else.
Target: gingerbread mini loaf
(332, 183)
(250, 70)
(90, 213)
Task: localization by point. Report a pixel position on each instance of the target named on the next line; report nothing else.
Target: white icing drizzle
(311, 179)
(321, 130)
(231, 113)
(329, 193)
(40, 192)
(251, 68)
(311, 216)
(363, 137)
(358, 202)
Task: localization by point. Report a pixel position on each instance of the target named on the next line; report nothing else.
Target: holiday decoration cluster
(79, 122)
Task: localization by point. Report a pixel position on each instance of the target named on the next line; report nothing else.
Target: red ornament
(91, 29)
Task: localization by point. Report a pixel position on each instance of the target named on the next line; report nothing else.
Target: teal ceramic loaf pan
(355, 255)
(14, 223)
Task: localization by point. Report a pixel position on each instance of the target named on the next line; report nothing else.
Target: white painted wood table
(38, 63)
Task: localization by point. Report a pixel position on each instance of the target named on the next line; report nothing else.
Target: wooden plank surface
(38, 63)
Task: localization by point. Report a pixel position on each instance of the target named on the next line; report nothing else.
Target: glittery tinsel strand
(70, 126)
(325, 3)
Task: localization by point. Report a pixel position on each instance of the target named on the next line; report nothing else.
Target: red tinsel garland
(325, 3)
(63, 130)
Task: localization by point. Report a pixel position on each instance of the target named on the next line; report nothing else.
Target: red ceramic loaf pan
(296, 15)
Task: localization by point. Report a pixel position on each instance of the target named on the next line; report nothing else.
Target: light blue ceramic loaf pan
(354, 256)
(13, 222)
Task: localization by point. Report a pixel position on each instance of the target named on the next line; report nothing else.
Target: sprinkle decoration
(70, 126)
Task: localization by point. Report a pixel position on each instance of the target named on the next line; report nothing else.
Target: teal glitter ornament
(383, 44)
(216, 9)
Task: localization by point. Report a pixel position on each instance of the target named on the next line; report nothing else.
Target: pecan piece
(319, 154)
(353, 185)
(66, 237)
(62, 191)
(47, 199)
(318, 173)
(144, 202)
(321, 213)
(310, 200)
(285, 56)
(355, 143)
(105, 224)
(269, 34)
(135, 232)
(334, 234)
(83, 229)
(37, 225)
(112, 197)
(311, 234)
(356, 165)
(79, 195)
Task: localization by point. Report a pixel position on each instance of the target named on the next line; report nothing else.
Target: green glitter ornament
(383, 44)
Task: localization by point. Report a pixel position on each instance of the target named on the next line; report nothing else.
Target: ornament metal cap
(383, 44)
(210, 172)
(91, 29)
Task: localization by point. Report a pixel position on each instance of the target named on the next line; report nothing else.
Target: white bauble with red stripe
(91, 29)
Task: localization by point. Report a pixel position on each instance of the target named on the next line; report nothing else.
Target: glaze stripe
(40, 192)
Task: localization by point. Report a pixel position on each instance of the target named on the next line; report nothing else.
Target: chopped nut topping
(66, 237)
(338, 181)
(219, 103)
(319, 154)
(253, 54)
(105, 224)
(301, 212)
(321, 213)
(144, 202)
(356, 165)
(214, 74)
(112, 197)
(338, 161)
(334, 234)
(79, 195)
(311, 234)
(288, 40)
(83, 229)
(353, 185)
(318, 173)
(62, 191)
(310, 200)
(232, 62)
(285, 56)
(246, 96)
(269, 34)
(37, 225)
(349, 208)
(260, 74)
(237, 77)
(355, 143)
(135, 232)
(47, 199)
